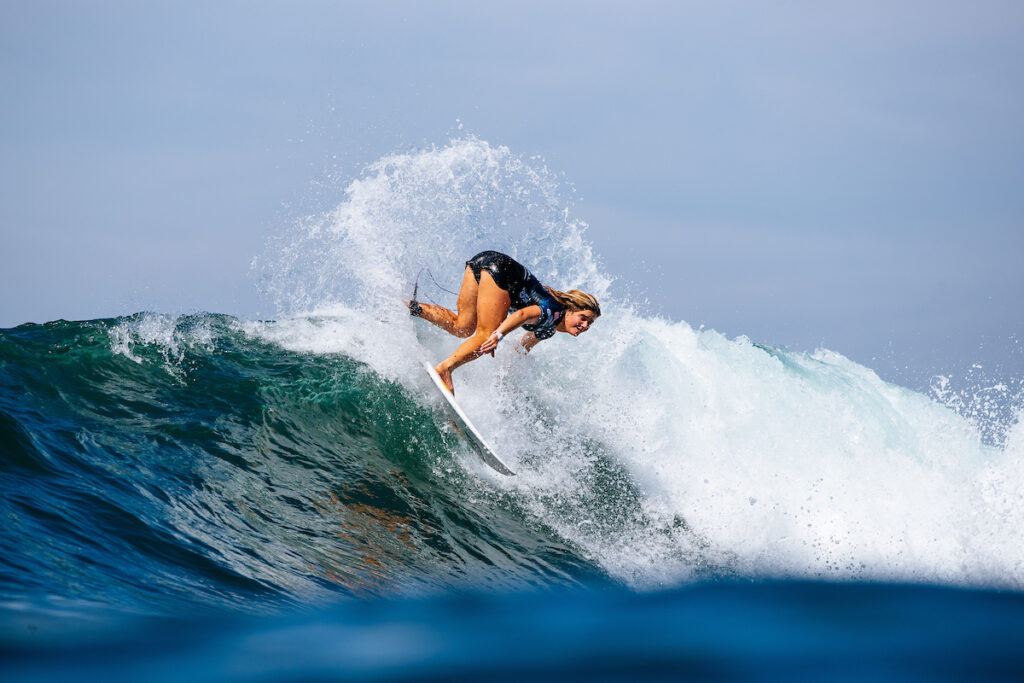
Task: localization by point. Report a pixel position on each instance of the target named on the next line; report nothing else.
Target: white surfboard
(465, 428)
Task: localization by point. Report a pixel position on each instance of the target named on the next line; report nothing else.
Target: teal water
(226, 472)
(183, 497)
(230, 499)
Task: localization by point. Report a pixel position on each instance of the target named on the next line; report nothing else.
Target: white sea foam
(168, 335)
(412, 213)
(659, 450)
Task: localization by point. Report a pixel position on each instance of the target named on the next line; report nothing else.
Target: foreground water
(722, 632)
(199, 489)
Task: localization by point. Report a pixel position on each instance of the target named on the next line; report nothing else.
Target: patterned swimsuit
(523, 288)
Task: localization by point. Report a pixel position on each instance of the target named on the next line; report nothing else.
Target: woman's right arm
(530, 314)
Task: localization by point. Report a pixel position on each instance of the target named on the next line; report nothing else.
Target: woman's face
(578, 322)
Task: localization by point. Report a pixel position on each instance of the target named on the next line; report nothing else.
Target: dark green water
(184, 499)
(217, 470)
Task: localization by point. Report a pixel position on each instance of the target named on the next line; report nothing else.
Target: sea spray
(429, 211)
(661, 452)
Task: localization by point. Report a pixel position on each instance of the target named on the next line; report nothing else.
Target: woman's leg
(492, 304)
(462, 324)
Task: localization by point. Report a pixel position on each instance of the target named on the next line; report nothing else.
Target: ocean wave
(163, 463)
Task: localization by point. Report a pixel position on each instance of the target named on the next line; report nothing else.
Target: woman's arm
(527, 342)
(523, 316)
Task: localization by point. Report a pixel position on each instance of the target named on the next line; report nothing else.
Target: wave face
(161, 463)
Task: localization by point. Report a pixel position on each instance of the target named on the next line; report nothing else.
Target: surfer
(498, 295)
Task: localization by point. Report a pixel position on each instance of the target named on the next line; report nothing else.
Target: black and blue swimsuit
(523, 288)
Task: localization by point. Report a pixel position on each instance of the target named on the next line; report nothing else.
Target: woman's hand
(530, 314)
(491, 343)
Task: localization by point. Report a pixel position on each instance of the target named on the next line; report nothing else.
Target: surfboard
(464, 427)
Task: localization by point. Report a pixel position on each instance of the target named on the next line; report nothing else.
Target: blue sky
(846, 174)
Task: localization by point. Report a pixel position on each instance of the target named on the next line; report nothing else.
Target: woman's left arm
(527, 342)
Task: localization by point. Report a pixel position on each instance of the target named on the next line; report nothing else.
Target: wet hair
(576, 300)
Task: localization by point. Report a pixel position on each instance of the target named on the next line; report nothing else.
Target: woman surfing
(497, 296)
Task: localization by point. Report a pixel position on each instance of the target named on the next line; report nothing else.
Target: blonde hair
(576, 300)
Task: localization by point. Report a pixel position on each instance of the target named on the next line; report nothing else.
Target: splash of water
(430, 210)
(662, 452)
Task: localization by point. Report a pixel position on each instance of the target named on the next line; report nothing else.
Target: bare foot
(446, 377)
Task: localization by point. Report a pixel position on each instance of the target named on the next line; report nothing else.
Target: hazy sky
(846, 174)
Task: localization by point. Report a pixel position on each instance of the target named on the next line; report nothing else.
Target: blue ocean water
(208, 497)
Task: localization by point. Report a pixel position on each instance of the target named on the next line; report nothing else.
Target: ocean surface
(207, 497)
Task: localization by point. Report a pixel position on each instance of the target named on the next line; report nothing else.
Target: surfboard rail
(465, 428)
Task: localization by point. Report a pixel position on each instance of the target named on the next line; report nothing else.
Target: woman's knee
(464, 327)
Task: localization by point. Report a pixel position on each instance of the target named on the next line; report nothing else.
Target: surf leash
(415, 309)
(414, 305)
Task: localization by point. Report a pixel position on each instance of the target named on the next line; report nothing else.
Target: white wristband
(500, 335)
